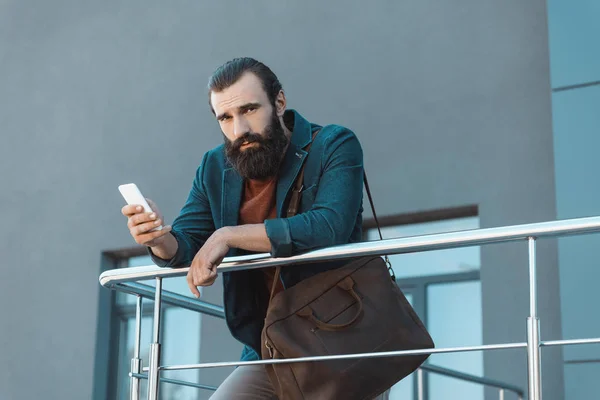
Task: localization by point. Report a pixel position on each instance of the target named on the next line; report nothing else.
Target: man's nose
(240, 127)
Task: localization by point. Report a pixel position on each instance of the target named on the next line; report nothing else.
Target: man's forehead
(247, 89)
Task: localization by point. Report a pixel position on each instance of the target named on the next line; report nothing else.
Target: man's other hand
(203, 270)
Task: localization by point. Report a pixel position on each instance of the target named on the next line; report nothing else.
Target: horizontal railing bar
(439, 241)
(345, 356)
(172, 298)
(426, 367)
(569, 342)
(177, 382)
(470, 378)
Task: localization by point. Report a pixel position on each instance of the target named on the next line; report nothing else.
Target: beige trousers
(252, 383)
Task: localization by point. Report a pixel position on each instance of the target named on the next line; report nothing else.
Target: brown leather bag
(353, 309)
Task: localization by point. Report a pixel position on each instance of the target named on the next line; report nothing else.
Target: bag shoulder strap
(298, 186)
(293, 209)
(387, 260)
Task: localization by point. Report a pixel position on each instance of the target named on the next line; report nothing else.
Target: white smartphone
(132, 195)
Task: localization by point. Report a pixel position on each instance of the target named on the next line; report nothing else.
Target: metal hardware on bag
(390, 268)
(268, 346)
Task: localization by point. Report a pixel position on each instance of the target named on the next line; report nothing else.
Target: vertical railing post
(153, 373)
(420, 385)
(501, 394)
(533, 330)
(136, 362)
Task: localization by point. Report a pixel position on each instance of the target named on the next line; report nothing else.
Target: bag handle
(348, 285)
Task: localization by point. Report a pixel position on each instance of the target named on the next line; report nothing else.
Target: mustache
(247, 138)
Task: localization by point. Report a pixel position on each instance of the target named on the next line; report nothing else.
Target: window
(444, 287)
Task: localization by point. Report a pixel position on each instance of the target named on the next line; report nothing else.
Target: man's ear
(280, 103)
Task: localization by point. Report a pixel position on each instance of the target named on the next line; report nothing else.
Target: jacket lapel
(289, 170)
(293, 160)
(233, 185)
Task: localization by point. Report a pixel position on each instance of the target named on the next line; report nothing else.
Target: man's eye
(249, 110)
(223, 119)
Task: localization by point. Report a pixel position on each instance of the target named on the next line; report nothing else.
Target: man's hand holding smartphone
(145, 220)
(142, 225)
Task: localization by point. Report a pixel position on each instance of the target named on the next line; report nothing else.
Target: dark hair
(230, 72)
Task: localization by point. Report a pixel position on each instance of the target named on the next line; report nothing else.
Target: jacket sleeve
(193, 226)
(338, 201)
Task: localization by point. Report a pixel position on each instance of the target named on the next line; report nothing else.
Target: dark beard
(262, 160)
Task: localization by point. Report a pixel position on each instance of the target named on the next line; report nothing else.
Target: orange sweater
(258, 204)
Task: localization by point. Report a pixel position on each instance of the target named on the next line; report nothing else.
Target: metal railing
(124, 280)
(501, 386)
(192, 304)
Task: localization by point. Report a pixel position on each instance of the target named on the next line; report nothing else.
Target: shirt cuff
(178, 260)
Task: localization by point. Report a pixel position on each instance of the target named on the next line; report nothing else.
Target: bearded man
(238, 205)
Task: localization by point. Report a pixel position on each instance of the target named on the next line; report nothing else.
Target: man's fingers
(196, 275)
(146, 238)
(204, 276)
(145, 227)
(142, 217)
(131, 209)
(192, 287)
(209, 278)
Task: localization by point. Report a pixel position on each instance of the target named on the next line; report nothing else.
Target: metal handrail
(118, 279)
(203, 307)
(176, 382)
(171, 298)
(474, 237)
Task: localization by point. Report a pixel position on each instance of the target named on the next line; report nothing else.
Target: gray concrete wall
(450, 100)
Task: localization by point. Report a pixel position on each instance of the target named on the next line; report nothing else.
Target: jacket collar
(302, 133)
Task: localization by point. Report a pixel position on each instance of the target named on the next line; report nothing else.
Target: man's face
(254, 138)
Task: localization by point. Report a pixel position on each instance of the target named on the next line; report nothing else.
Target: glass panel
(576, 123)
(573, 35)
(177, 285)
(432, 262)
(181, 345)
(126, 345)
(581, 380)
(404, 389)
(454, 319)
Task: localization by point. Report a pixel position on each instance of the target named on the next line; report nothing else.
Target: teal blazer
(330, 213)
